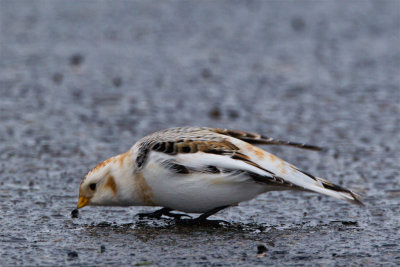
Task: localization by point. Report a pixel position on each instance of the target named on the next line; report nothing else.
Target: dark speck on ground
(117, 81)
(261, 249)
(75, 213)
(215, 113)
(72, 254)
(76, 59)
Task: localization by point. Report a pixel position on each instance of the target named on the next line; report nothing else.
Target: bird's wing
(191, 150)
(257, 139)
(187, 150)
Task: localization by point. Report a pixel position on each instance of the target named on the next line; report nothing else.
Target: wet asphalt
(81, 81)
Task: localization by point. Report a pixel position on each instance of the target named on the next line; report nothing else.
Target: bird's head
(102, 185)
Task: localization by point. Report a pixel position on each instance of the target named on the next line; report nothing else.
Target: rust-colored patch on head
(111, 184)
(104, 163)
(122, 157)
(143, 190)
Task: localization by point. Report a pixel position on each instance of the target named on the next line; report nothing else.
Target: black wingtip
(312, 147)
(303, 146)
(351, 197)
(357, 199)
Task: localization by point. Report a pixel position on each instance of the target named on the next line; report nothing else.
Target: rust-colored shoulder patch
(283, 168)
(249, 147)
(281, 164)
(272, 157)
(143, 190)
(259, 153)
(111, 184)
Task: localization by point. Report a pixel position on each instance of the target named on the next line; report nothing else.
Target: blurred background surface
(81, 81)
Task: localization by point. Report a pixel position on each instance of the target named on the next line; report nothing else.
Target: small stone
(298, 24)
(72, 254)
(233, 114)
(57, 78)
(102, 248)
(104, 224)
(215, 113)
(74, 213)
(350, 223)
(206, 73)
(76, 60)
(261, 249)
(117, 81)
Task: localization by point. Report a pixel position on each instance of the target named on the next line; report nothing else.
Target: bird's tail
(336, 191)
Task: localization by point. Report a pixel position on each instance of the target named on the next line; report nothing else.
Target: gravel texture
(81, 81)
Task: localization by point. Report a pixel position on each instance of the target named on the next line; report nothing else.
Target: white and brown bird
(198, 170)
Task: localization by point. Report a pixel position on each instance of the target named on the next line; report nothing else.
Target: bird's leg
(207, 214)
(203, 217)
(156, 214)
(164, 211)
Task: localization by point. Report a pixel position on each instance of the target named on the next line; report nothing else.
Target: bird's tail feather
(322, 186)
(336, 191)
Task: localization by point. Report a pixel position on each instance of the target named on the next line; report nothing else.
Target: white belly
(198, 193)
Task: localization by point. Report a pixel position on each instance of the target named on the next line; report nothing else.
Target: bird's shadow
(178, 226)
(150, 229)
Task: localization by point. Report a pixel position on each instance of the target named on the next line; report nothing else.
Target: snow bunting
(198, 170)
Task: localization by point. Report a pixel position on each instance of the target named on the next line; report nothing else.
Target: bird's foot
(177, 216)
(202, 219)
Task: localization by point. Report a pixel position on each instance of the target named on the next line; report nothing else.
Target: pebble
(215, 113)
(261, 249)
(117, 81)
(76, 60)
(75, 213)
(72, 254)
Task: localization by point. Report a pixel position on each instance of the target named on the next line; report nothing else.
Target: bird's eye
(92, 187)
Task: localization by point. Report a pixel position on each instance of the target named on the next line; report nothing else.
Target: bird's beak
(82, 202)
